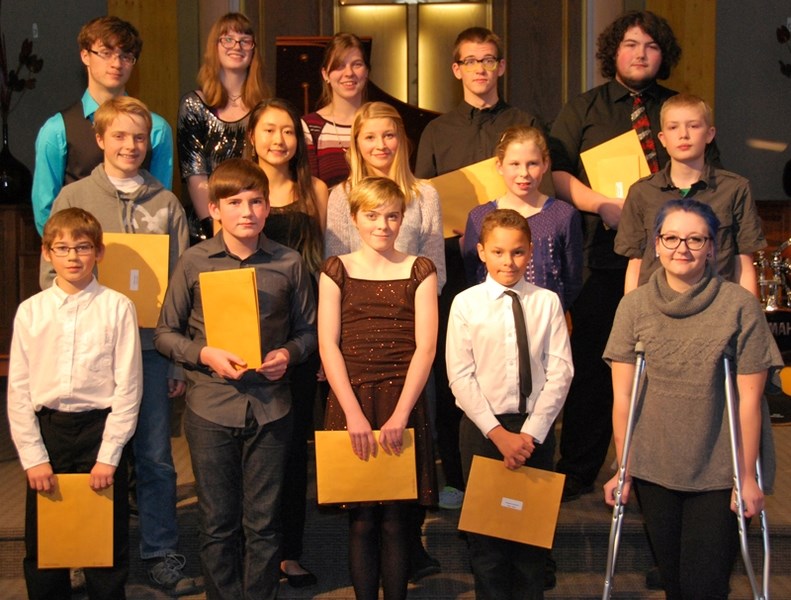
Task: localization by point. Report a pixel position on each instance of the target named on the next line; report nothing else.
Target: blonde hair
(120, 105)
(254, 89)
(399, 170)
(518, 134)
(689, 101)
(373, 192)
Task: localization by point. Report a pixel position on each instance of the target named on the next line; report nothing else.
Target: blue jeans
(156, 476)
(239, 476)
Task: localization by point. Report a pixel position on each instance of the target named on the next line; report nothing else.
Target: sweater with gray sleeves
(681, 438)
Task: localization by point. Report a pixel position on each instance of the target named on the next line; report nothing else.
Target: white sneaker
(450, 498)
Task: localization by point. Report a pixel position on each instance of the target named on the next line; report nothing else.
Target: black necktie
(525, 376)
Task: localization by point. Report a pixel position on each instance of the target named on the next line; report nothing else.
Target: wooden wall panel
(694, 23)
(155, 79)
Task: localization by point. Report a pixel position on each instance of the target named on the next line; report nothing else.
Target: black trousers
(695, 539)
(72, 441)
(295, 485)
(587, 414)
(504, 570)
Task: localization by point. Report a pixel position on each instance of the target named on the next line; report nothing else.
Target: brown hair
(237, 175)
(507, 218)
(687, 100)
(214, 93)
(113, 33)
(653, 25)
(518, 134)
(373, 192)
(336, 49)
(399, 171)
(126, 105)
(75, 221)
(477, 35)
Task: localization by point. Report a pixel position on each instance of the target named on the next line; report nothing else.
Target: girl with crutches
(687, 318)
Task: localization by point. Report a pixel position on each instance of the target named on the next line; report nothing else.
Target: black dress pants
(72, 441)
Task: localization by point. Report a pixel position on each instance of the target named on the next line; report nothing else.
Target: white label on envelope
(619, 189)
(511, 503)
(134, 280)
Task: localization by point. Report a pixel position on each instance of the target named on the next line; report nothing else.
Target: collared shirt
(74, 353)
(464, 136)
(593, 118)
(482, 355)
(51, 150)
(287, 320)
(728, 195)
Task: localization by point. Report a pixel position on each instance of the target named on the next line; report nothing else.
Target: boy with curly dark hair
(634, 51)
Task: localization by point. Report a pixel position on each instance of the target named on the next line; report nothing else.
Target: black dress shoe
(573, 488)
(653, 580)
(422, 566)
(299, 580)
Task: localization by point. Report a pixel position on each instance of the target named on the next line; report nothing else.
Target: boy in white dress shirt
(503, 419)
(74, 388)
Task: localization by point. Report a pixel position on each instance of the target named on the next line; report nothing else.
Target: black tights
(378, 546)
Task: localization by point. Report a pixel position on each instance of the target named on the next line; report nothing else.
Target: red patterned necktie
(642, 126)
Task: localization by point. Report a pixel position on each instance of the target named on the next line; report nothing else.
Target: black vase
(787, 179)
(15, 178)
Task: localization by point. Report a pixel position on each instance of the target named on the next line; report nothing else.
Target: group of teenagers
(466, 339)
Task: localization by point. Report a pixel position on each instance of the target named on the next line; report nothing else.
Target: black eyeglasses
(229, 42)
(693, 242)
(489, 63)
(126, 58)
(64, 250)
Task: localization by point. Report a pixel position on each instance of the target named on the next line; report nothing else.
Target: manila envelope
(230, 313)
(136, 264)
(342, 477)
(611, 166)
(521, 505)
(75, 525)
(462, 190)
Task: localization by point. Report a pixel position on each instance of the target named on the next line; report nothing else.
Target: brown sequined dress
(377, 343)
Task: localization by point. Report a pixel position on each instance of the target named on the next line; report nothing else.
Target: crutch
(730, 406)
(617, 511)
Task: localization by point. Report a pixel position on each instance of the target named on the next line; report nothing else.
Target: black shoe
(422, 565)
(299, 580)
(573, 488)
(653, 580)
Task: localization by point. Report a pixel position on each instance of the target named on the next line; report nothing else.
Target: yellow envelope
(521, 505)
(462, 190)
(230, 313)
(75, 525)
(342, 477)
(136, 264)
(611, 166)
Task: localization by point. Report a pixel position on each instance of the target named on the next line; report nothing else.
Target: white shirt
(482, 355)
(74, 353)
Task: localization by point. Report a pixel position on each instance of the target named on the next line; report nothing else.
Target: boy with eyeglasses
(125, 198)
(74, 393)
(687, 128)
(66, 148)
(469, 133)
